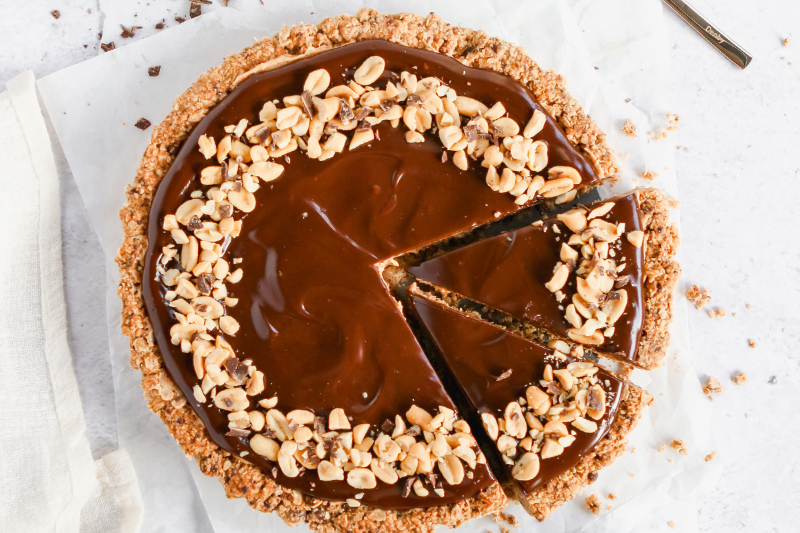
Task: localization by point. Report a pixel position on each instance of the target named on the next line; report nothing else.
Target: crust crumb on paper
(594, 504)
(710, 457)
(679, 446)
(712, 386)
(629, 128)
(740, 378)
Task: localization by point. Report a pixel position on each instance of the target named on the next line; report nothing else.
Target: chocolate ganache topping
(511, 272)
(495, 369)
(313, 313)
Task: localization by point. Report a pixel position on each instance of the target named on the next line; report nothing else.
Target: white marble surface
(739, 180)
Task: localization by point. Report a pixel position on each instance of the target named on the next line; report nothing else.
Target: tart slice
(599, 275)
(554, 421)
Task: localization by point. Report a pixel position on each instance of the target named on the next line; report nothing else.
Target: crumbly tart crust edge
(239, 478)
(565, 487)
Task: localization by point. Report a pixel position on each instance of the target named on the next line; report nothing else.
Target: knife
(738, 55)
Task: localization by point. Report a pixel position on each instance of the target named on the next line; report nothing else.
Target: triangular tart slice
(552, 421)
(600, 275)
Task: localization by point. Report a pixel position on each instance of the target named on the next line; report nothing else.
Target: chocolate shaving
(56, 14)
(622, 281)
(330, 128)
(407, 487)
(143, 124)
(237, 186)
(413, 100)
(363, 126)
(553, 388)
(362, 114)
(195, 10)
(293, 426)
(612, 297)
(413, 431)
(345, 112)
(180, 20)
(319, 425)
(593, 401)
(205, 282)
(230, 364)
(223, 170)
(386, 105)
(154, 71)
(107, 47)
(387, 426)
(206, 2)
(128, 33)
(268, 433)
(194, 223)
(160, 26)
(433, 479)
(236, 432)
(306, 101)
(241, 373)
(327, 443)
(571, 265)
(260, 133)
(504, 375)
(226, 211)
(471, 132)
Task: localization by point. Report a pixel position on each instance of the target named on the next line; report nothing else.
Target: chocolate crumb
(154, 71)
(362, 114)
(142, 123)
(160, 26)
(319, 424)
(345, 112)
(363, 125)
(107, 47)
(180, 20)
(387, 426)
(225, 211)
(413, 431)
(205, 283)
(194, 223)
(195, 10)
(592, 477)
(306, 101)
(407, 487)
(56, 14)
(128, 33)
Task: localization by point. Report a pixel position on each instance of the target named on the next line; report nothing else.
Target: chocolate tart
(504, 376)
(510, 272)
(250, 271)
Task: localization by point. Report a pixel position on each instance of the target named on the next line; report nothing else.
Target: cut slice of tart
(554, 421)
(261, 212)
(600, 275)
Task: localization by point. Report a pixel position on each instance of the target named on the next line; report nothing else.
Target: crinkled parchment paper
(94, 105)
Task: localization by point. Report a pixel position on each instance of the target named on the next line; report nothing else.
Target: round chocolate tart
(264, 212)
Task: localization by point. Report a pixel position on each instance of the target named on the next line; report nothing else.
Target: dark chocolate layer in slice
(314, 314)
(509, 272)
(494, 368)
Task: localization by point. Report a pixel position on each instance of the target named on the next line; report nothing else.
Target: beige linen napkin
(48, 479)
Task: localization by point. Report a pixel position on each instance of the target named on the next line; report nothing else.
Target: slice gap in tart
(267, 312)
(599, 275)
(552, 421)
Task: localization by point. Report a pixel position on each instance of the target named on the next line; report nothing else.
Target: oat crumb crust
(239, 478)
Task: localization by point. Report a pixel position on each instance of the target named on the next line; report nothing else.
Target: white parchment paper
(94, 105)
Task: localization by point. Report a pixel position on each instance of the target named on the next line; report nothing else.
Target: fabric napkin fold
(50, 482)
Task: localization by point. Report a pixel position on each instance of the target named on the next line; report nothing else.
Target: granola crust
(661, 273)
(565, 487)
(239, 478)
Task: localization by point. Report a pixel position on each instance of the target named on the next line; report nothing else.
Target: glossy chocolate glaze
(509, 272)
(315, 316)
(477, 353)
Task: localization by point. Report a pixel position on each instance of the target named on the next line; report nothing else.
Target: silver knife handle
(711, 33)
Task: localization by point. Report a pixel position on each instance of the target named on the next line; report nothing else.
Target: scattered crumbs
(719, 312)
(195, 10)
(751, 343)
(740, 378)
(673, 120)
(609, 507)
(629, 128)
(710, 457)
(57, 14)
(712, 386)
(773, 380)
(697, 297)
(127, 33)
(648, 175)
(673, 203)
(154, 71)
(594, 505)
(662, 448)
(160, 26)
(143, 124)
(748, 306)
(633, 475)
(679, 446)
(785, 41)
(107, 47)
(633, 450)
(627, 100)
(179, 20)
(671, 524)
(612, 496)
